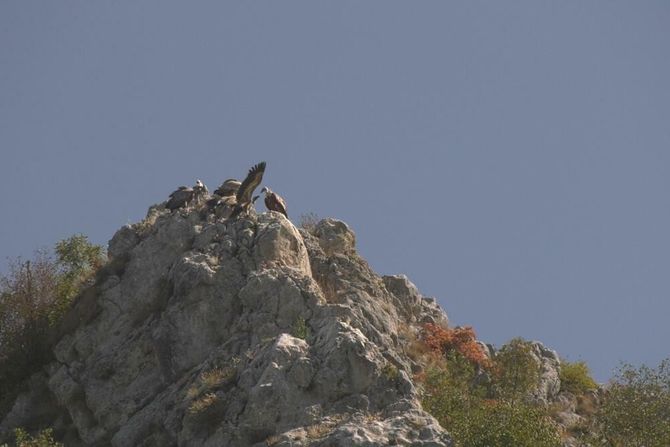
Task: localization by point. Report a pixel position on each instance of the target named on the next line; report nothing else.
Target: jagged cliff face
(235, 333)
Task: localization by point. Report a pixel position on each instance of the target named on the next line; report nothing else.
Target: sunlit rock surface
(244, 332)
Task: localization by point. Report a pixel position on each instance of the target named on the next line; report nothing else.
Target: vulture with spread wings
(246, 190)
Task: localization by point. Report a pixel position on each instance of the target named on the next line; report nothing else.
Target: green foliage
(391, 373)
(448, 391)
(76, 255)
(42, 439)
(505, 423)
(77, 260)
(636, 407)
(455, 393)
(33, 297)
(517, 372)
(300, 328)
(26, 293)
(576, 377)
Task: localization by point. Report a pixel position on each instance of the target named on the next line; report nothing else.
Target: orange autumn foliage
(461, 339)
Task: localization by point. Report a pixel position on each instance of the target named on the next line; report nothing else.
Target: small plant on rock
(42, 439)
(203, 404)
(576, 377)
(211, 380)
(300, 328)
(391, 373)
(308, 221)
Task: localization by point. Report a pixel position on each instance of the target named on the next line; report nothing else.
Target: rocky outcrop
(550, 369)
(245, 332)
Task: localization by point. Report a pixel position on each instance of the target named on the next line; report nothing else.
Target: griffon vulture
(274, 202)
(228, 188)
(246, 190)
(222, 206)
(184, 196)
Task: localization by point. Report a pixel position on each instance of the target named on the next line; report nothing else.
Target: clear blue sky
(512, 158)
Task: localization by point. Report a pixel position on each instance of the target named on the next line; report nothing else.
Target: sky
(511, 158)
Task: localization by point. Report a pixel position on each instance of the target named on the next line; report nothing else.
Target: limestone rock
(122, 242)
(243, 332)
(550, 368)
(335, 236)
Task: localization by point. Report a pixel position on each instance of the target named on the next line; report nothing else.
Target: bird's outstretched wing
(254, 178)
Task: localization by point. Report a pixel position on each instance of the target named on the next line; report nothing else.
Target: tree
(77, 260)
(33, 297)
(636, 407)
(25, 296)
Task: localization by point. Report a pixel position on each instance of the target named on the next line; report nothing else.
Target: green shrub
(77, 261)
(516, 371)
(454, 392)
(42, 439)
(505, 424)
(636, 407)
(448, 393)
(26, 294)
(391, 373)
(300, 328)
(576, 377)
(34, 295)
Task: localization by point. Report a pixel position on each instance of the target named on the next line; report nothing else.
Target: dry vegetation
(308, 221)
(210, 380)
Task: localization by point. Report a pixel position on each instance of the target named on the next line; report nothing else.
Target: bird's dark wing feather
(229, 187)
(274, 202)
(282, 204)
(179, 198)
(250, 183)
(179, 191)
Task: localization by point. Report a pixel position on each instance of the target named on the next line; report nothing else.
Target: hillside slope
(232, 333)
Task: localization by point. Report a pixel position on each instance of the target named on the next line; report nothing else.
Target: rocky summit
(235, 332)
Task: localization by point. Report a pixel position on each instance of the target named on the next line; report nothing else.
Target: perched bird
(228, 188)
(222, 206)
(274, 202)
(246, 189)
(200, 191)
(184, 196)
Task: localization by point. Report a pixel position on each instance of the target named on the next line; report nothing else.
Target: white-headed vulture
(274, 202)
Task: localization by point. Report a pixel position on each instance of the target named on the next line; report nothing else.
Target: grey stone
(335, 236)
(230, 332)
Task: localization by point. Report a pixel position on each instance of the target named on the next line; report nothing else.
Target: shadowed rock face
(236, 333)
